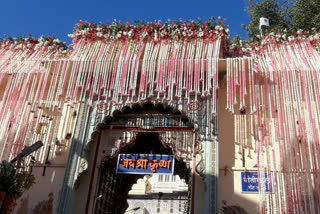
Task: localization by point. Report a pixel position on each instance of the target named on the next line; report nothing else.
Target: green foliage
(7, 176)
(237, 40)
(279, 15)
(24, 181)
(283, 14)
(12, 182)
(306, 14)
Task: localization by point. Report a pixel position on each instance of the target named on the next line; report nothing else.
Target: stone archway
(134, 131)
(180, 139)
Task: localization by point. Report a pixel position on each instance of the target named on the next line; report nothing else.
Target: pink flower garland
(284, 90)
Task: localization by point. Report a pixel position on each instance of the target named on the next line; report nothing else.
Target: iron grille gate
(113, 190)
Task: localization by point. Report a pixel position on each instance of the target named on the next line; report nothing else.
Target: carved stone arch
(169, 139)
(104, 120)
(147, 107)
(161, 107)
(179, 142)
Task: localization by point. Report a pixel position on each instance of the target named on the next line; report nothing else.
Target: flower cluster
(231, 49)
(279, 38)
(33, 43)
(273, 38)
(152, 31)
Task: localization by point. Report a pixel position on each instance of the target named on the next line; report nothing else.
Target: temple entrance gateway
(150, 130)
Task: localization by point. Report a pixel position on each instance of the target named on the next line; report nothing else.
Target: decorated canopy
(272, 87)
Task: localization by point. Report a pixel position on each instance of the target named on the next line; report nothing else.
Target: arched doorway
(140, 129)
(113, 188)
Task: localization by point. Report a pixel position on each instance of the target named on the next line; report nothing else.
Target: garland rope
(284, 103)
(279, 119)
(36, 84)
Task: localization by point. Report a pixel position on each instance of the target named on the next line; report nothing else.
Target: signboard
(250, 184)
(152, 122)
(145, 164)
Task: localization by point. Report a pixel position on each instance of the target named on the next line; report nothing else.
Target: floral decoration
(157, 31)
(273, 38)
(33, 43)
(152, 31)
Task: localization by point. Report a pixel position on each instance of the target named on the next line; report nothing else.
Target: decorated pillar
(211, 169)
(76, 164)
(207, 150)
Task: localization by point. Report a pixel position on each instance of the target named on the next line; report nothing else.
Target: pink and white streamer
(176, 72)
(31, 83)
(283, 84)
(37, 86)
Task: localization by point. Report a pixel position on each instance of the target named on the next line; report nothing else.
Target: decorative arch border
(100, 122)
(167, 142)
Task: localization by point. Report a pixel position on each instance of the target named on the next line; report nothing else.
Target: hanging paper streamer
(119, 64)
(238, 70)
(31, 103)
(283, 84)
(133, 72)
(122, 64)
(245, 133)
(289, 125)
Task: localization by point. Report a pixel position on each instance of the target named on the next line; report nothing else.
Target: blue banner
(145, 164)
(250, 184)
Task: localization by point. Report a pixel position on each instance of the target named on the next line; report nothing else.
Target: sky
(58, 17)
